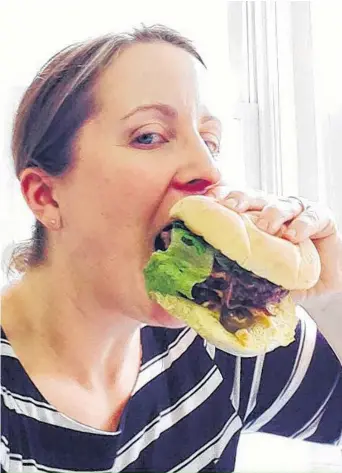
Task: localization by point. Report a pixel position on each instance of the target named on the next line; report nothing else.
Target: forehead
(153, 72)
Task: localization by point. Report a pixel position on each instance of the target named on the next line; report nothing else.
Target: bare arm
(326, 311)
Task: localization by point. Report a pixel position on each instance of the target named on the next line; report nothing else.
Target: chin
(153, 314)
(160, 318)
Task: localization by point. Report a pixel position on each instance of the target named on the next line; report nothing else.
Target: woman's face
(152, 142)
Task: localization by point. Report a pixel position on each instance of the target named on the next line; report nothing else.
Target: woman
(110, 134)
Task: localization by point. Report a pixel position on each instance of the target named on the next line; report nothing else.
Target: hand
(287, 218)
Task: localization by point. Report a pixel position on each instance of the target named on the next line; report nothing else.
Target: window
(284, 57)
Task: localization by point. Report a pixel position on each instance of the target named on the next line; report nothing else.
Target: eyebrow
(164, 109)
(212, 118)
(167, 110)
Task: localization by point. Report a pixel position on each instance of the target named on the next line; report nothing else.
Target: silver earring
(53, 222)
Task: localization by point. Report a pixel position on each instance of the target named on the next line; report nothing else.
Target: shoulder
(17, 390)
(9, 360)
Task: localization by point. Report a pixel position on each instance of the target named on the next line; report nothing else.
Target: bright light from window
(327, 48)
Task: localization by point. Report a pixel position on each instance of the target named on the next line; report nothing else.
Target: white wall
(32, 31)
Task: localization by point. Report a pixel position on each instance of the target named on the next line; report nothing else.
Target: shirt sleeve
(294, 391)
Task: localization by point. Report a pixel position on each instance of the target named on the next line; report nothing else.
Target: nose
(197, 171)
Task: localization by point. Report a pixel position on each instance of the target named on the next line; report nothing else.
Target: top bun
(292, 266)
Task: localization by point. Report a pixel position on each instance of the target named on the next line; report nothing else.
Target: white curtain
(326, 21)
(286, 58)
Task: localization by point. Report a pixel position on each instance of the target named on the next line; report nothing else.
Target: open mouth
(163, 239)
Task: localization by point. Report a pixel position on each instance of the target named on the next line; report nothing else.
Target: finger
(218, 192)
(282, 230)
(243, 201)
(274, 216)
(315, 222)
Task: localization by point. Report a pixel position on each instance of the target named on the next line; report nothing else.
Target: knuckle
(272, 212)
(301, 222)
(303, 225)
(311, 215)
(239, 195)
(261, 201)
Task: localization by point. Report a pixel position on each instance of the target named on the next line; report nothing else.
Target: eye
(213, 145)
(148, 139)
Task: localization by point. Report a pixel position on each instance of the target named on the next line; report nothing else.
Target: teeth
(161, 241)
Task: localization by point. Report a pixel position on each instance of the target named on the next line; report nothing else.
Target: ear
(38, 191)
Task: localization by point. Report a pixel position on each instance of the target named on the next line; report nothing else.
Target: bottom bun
(267, 334)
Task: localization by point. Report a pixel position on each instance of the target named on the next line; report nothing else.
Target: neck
(83, 340)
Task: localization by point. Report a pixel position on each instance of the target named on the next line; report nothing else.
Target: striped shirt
(189, 406)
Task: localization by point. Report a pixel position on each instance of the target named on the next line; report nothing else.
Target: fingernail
(232, 203)
(262, 224)
(291, 233)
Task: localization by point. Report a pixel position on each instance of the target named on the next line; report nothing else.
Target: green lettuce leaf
(187, 261)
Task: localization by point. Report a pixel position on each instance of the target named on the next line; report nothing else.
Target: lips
(196, 186)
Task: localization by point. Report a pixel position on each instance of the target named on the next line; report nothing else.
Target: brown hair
(56, 104)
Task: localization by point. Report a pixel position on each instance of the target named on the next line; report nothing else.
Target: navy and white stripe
(189, 406)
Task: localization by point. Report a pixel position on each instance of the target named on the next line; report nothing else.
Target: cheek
(118, 198)
(134, 193)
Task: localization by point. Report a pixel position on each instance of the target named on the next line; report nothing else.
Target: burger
(214, 269)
